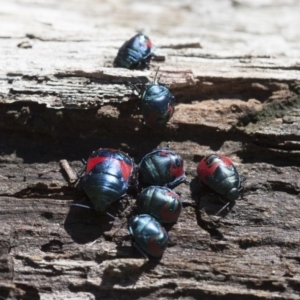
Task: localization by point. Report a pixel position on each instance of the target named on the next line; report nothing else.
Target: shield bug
(157, 105)
(135, 53)
(161, 203)
(218, 173)
(149, 236)
(161, 167)
(106, 177)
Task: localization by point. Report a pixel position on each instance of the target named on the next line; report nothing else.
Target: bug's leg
(135, 184)
(119, 228)
(120, 223)
(81, 205)
(225, 206)
(242, 194)
(135, 89)
(186, 181)
(134, 86)
(115, 219)
(79, 174)
(126, 197)
(241, 189)
(137, 247)
(174, 184)
(135, 178)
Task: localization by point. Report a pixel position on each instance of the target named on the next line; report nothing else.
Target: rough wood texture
(233, 67)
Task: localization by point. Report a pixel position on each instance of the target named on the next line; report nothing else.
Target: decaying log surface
(233, 67)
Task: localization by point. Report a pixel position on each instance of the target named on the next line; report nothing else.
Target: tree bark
(233, 67)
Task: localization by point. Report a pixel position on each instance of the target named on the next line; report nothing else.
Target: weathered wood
(233, 67)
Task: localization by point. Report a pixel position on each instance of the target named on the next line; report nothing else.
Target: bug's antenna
(156, 75)
(136, 246)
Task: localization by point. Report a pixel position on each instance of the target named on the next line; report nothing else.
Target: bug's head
(233, 195)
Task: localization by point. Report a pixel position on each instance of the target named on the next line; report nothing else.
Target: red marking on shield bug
(92, 162)
(204, 169)
(126, 169)
(149, 44)
(175, 170)
(154, 248)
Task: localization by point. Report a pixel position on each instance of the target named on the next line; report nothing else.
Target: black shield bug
(135, 53)
(157, 103)
(161, 203)
(161, 167)
(106, 178)
(220, 175)
(150, 237)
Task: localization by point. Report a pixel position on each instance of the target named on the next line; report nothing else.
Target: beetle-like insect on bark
(135, 53)
(149, 236)
(106, 178)
(161, 203)
(220, 175)
(161, 167)
(157, 103)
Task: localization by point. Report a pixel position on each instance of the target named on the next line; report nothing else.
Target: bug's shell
(135, 53)
(157, 105)
(161, 203)
(107, 175)
(149, 235)
(161, 167)
(218, 172)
